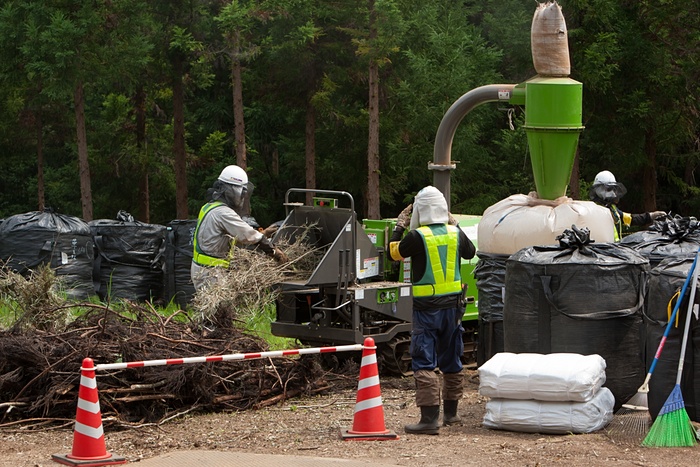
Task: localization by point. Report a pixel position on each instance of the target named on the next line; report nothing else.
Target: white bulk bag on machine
(521, 221)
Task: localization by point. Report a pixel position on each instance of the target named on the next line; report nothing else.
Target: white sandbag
(568, 377)
(550, 417)
(521, 221)
(549, 42)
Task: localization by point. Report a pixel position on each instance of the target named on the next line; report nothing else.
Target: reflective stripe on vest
(617, 221)
(198, 255)
(442, 275)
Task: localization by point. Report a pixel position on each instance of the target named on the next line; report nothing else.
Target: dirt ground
(311, 427)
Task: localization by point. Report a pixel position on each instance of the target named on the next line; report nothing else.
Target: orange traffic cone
(368, 422)
(88, 437)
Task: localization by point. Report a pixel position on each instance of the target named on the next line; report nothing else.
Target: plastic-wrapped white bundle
(566, 377)
(520, 221)
(532, 416)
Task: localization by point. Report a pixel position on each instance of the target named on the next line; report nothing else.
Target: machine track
(395, 356)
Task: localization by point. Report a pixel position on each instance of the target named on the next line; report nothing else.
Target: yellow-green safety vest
(198, 255)
(442, 275)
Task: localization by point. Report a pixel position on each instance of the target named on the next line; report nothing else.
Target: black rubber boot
(449, 416)
(428, 424)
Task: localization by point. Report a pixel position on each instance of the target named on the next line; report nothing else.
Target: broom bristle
(672, 428)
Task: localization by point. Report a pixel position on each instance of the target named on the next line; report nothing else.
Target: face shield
(607, 193)
(236, 196)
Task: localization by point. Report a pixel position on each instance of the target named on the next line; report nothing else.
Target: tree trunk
(144, 195)
(238, 119)
(179, 141)
(649, 174)
(83, 163)
(40, 192)
(373, 143)
(310, 151)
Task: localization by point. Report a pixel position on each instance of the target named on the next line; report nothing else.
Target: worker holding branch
(435, 245)
(606, 191)
(219, 226)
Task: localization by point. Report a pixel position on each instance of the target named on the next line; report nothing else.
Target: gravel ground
(311, 427)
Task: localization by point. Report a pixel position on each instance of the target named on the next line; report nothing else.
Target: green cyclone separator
(553, 123)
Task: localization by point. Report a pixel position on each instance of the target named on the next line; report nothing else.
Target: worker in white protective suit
(606, 191)
(219, 227)
(435, 244)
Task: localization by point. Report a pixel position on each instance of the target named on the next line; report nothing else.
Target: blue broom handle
(691, 273)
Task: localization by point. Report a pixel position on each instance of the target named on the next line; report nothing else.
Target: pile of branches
(42, 352)
(40, 371)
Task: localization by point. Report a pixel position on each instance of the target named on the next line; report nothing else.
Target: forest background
(137, 105)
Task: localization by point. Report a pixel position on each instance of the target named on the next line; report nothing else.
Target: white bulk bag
(544, 377)
(521, 221)
(550, 417)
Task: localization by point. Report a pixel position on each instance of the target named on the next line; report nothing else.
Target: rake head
(632, 421)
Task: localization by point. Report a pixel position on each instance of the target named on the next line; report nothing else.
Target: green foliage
(637, 61)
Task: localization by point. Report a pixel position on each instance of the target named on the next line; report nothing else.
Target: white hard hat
(234, 175)
(603, 178)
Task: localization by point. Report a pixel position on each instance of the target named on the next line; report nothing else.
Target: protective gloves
(280, 256)
(270, 230)
(404, 219)
(657, 215)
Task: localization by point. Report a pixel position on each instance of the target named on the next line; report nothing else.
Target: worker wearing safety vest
(219, 226)
(435, 245)
(606, 191)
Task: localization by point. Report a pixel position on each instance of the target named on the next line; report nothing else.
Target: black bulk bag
(62, 242)
(665, 281)
(579, 297)
(669, 237)
(129, 260)
(179, 247)
(490, 274)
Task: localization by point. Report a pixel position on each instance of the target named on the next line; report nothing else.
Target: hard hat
(234, 175)
(603, 178)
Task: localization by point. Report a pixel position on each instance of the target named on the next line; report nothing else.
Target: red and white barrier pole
(229, 357)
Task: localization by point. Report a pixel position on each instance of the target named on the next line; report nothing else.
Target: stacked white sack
(543, 377)
(557, 418)
(553, 393)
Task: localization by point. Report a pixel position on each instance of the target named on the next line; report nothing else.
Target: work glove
(404, 219)
(657, 215)
(452, 220)
(279, 256)
(269, 231)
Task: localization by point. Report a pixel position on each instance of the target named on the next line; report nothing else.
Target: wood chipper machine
(347, 296)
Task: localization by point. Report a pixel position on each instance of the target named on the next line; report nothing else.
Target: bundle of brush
(672, 427)
(246, 287)
(631, 423)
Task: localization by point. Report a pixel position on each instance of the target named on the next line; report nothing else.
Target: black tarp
(178, 285)
(490, 274)
(665, 281)
(63, 242)
(129, 260)
(669, 237)
(579, 297)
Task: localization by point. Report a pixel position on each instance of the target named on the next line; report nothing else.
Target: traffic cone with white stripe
(368, 422)
(88, 436)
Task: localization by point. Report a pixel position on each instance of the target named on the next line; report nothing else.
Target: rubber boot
(450, 416)
(428, 424)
